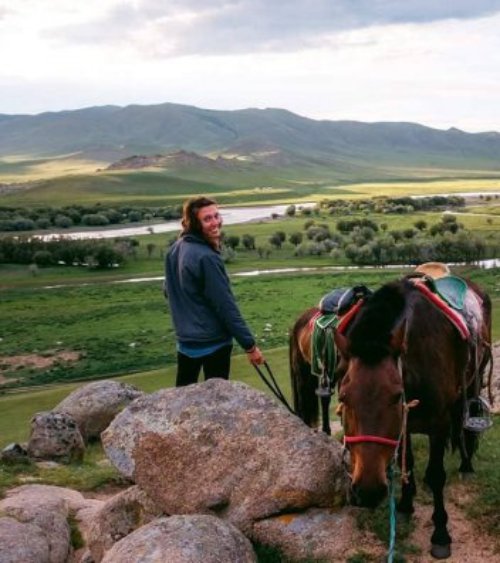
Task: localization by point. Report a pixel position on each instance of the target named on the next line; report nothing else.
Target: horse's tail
(303, 383)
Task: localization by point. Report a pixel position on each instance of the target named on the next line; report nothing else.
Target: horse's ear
(342, 343)
(398, 339)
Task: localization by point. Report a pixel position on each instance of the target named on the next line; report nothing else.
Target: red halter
(370, 438)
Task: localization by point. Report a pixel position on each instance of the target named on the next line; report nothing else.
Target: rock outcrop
(34, 523)
(223, 448)
(197, 539)
(118, 517)
(55, 436)
(93, 406)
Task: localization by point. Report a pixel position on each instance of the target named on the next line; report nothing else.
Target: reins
(271, 382)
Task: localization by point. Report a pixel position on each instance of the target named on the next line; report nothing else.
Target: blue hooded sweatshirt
(203, 307)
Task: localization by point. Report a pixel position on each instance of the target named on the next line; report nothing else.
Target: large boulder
(22, 542)
(55, 436)
(118, 517)
(318, 534)
(222, 447)
(94, 406)
(34, 524)
(184, 539)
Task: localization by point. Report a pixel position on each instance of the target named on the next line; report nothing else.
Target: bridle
(370, 438)
(382, 440)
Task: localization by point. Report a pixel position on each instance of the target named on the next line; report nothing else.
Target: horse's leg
(325, 414)
(408, 488)
(467, 445)
(305, 400)
(435, 477)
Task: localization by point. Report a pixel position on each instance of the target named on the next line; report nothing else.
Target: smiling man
(204, 311)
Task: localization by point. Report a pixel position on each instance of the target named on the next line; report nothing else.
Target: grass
(101, 321)
(70, 181)
(127, 327)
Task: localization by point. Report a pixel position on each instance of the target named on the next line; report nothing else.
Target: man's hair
(190, 222)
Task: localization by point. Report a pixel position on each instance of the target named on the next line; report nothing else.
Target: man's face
(211, 223)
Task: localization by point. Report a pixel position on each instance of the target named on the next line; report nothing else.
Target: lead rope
(404, 473)
(273, 385)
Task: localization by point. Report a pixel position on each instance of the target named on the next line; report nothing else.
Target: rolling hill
(109, 133)
(160, 152)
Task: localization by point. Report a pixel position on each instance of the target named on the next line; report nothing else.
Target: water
(486, 264)
(230, 216)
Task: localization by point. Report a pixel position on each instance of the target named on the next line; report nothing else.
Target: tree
(291, 210)
(63, 221)
(421, 225)
(248, 241)
(43, 258)
(277, 239)
(232, 241)
(295, 238)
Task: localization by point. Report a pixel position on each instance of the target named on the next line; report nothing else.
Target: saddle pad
(455, 318)
(453, 290)
(323, 353)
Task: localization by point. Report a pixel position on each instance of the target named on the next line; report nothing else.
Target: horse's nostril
(368, 497)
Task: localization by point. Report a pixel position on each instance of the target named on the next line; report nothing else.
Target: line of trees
(90, 253)
(43, 218)
(364, 242)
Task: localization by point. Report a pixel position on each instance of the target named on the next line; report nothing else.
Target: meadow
(123, 330)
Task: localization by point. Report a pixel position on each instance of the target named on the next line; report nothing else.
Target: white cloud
(378, 64)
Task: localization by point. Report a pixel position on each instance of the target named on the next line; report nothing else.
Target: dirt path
(470, 544)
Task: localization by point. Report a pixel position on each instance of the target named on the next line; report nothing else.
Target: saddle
(336, 311)
(446, 291)
(463, 307)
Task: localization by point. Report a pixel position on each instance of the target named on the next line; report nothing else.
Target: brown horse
(400, 349)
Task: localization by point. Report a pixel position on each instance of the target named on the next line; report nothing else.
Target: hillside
(111, 133)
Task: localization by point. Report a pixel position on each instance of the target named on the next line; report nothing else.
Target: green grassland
(82, 182)
(122, 328)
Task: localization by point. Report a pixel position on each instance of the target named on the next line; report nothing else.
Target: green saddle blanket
(453, 290)
(323, 353)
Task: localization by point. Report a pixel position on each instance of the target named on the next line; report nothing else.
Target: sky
(435, 62)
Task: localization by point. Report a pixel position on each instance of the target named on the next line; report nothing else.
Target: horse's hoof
(440, 551)
(467, 476)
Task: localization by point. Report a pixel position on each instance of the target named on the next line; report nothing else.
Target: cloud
(186, 27)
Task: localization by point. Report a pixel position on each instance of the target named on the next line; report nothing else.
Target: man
(204, 311)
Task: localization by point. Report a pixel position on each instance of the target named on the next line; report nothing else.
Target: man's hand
(255, 356)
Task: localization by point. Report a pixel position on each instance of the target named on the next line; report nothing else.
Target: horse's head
(371, 406)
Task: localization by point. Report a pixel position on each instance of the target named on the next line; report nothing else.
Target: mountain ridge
(117, 132)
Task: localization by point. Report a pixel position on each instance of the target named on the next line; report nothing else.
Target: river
(230, 216)
(486, 264)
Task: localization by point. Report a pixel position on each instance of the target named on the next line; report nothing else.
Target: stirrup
(324, 392)
(477, 415)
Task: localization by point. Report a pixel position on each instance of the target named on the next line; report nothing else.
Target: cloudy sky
(435, 62)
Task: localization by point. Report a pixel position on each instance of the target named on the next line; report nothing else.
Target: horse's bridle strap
(370, 438)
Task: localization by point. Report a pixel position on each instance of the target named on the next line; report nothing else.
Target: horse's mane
(371, 332)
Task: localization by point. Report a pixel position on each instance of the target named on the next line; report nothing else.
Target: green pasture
(120, 328)
(68, 181)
